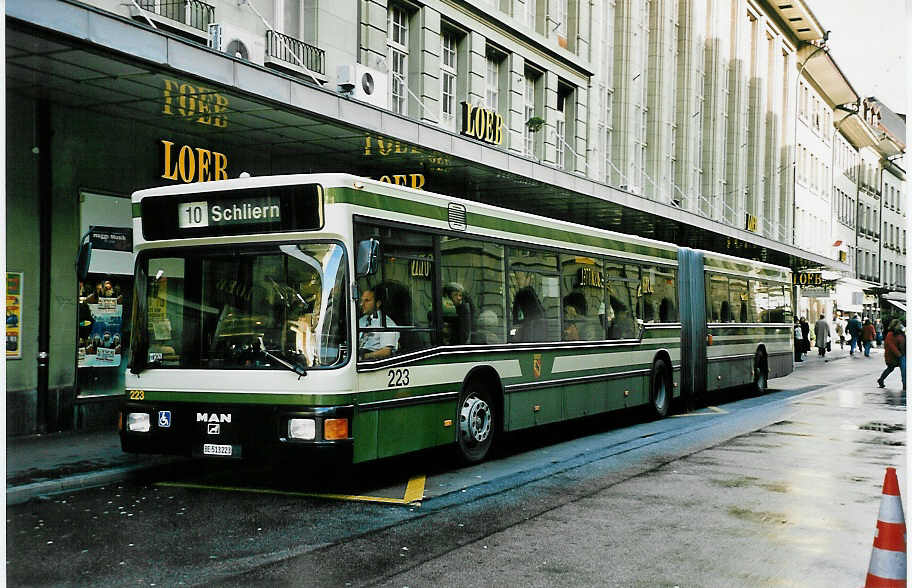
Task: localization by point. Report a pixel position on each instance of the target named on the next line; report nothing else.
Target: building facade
(675, 119)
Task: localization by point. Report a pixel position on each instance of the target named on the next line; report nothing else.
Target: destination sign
(201, 214)
(244, 211)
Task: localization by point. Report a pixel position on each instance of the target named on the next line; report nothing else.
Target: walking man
(854, 328)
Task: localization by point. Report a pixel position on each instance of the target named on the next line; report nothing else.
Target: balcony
(288, 54)
(189, 18)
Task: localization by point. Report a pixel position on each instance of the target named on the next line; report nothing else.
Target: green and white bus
(288, 314)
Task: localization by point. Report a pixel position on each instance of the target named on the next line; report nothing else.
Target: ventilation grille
(457, 217)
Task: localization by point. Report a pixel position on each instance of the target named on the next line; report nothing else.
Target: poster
(13, 315)
(100, 324)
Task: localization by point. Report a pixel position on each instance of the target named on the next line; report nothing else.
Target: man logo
(214, 428)
(205, 417)
(164, 418)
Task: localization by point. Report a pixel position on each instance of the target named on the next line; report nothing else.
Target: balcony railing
(193, 13)
(295, 52)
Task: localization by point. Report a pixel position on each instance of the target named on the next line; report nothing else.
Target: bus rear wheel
(761, 373)
(477, 424)
(660, 390)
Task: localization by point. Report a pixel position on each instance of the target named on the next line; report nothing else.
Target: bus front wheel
(477, 424)
(660, 391)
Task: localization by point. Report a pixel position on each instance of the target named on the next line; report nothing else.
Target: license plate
(212, 449)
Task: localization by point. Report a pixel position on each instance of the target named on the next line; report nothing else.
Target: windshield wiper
(296, 368)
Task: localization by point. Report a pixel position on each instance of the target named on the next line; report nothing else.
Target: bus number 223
(398, 378)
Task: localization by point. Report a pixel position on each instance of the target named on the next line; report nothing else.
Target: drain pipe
(45, 198)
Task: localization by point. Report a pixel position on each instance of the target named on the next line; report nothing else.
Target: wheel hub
(475, 420)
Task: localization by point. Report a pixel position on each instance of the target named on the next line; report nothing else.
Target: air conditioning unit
(237, 42)
(363, 83)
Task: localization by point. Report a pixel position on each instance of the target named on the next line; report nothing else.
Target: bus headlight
(139, 422)
(302, 429)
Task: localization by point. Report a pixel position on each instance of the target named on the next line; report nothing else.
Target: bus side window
(659, 295)
(472, 274)
(535, 294)
(739, 299)
(717, 305)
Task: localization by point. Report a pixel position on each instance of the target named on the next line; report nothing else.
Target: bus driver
(375, 344)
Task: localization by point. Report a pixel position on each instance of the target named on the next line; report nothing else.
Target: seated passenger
(457, 315)
(375, 344)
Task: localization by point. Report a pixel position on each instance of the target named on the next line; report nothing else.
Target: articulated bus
(292, 314)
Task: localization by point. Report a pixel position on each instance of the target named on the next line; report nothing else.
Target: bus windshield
(244, 307)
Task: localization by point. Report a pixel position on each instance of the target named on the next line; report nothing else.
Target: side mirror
(84, 258)
(367, 258)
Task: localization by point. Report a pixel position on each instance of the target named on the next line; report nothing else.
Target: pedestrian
(854, 329)
(840, 331)
(822, 335)
(894, 352)
(867, 336)
(805, 336)
(878, 330)
(799, 341)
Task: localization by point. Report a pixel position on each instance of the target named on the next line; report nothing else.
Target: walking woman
(822, 335)
(894, 352)
(867, 336)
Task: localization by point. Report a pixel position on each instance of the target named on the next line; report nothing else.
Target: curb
(24, 493)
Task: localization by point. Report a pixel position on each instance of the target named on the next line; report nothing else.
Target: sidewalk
(45, 464)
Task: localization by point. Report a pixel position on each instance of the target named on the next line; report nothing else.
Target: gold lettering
(400, 180)
(166, 107)
(386, 179)
(221, 104)
(367, 144)
(203, 110)
(400, 148)
(386, 147)
(170, 174)
(479, 122)
(417, 181)
(187, 100)
(489, 126)
(498, 133)
(468, 128)
(221, 165)
(203, 158)
(186, 164)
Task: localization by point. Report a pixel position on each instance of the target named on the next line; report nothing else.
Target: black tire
(476, 417)
(660, 391)
(761, 373)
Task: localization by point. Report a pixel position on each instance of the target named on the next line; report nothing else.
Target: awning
(897, 304)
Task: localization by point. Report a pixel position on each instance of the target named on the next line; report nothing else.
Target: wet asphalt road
(781, 489)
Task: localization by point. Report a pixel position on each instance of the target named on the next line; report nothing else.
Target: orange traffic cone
(888, 558)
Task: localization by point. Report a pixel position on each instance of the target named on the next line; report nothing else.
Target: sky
(868, 40)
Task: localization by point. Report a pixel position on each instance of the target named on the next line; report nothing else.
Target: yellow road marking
(414, 492)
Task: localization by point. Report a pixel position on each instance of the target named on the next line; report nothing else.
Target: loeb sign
(481, 123)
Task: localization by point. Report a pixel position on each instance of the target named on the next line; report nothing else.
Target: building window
(558, 17)
(492, 81)
(448, 74)
(529, 111)
(398, 58)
